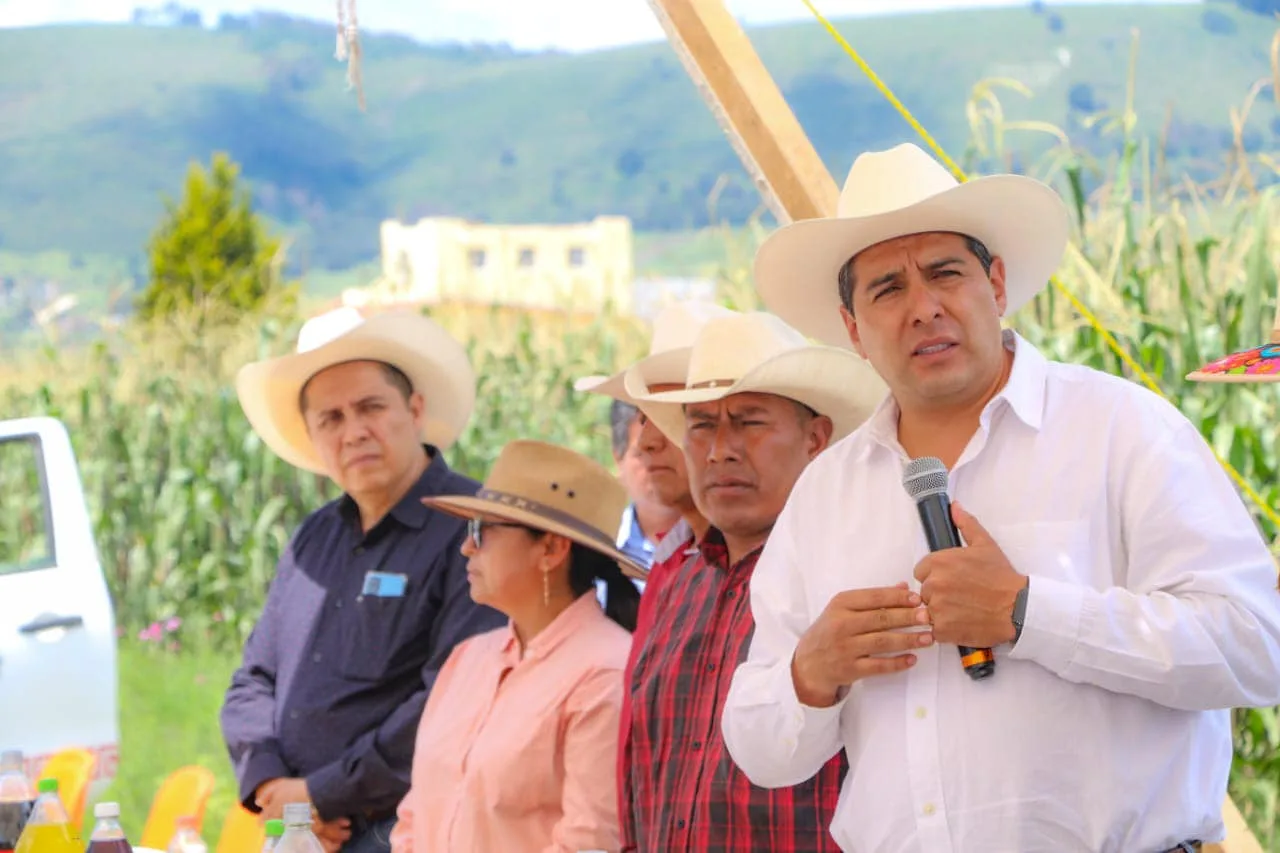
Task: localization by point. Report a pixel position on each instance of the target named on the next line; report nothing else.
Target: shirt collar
(1023, 392)
(714, 551)
(409, 510)
(571, 620)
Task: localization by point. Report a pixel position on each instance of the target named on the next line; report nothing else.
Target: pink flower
(173, 624)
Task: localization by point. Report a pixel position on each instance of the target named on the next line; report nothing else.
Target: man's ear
(851, 326)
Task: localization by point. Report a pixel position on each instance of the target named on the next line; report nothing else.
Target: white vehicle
(57, 628)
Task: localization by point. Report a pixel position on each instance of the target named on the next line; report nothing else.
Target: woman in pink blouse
(516, 748)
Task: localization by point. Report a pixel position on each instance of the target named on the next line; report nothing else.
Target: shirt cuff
(326, 789)
(799, 717)
(260, 766)
(1051, 624)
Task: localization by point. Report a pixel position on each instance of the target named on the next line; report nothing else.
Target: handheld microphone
(925, 480)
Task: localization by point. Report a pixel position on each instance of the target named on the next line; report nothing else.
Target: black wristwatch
(1020, 610)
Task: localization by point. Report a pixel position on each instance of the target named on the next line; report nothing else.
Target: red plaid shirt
(682, 791)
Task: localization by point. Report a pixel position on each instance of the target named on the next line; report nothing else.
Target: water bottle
(298, 837)
(275, 829)
(16, 800)
(108, 834)
(187, 837)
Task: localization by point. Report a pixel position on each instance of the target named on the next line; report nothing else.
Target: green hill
(99, 121)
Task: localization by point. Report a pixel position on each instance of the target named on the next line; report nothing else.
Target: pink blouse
(518, 756)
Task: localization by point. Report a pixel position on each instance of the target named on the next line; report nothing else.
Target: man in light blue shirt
(645, 519)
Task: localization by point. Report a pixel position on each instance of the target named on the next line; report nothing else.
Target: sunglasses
(476, 526)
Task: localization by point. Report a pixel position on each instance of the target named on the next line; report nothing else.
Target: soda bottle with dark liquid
(108, 835)
(16, 800)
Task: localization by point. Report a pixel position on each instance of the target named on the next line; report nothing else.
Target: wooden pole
(787, 170)
(749, 107)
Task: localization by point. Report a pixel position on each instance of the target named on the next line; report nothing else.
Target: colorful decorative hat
(1260, 364)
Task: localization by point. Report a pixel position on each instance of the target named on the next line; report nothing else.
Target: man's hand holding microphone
(967, 598)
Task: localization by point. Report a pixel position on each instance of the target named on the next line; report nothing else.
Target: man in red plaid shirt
(758, 402)
(674, 331)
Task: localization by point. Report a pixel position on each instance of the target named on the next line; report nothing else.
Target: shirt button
(293, 715)
(316, 657)
(338, 604)
(697, 744)
(730, 594)
(921, 713)
(358, 550)
(711, 667)
(928, 809)
(680, 824)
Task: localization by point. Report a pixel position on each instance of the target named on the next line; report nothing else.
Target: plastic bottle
(17, 799)
(108, 834)
(186, 837)
(298, 837)
(49, 829)
(275, 829)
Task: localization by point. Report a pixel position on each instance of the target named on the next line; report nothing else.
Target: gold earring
(546, 589)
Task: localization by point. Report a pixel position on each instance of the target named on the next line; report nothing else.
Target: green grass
(168, 719)
(104, 119)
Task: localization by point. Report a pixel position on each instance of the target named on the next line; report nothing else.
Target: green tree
(212, 250)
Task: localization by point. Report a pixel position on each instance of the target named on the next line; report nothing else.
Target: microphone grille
(924, 477)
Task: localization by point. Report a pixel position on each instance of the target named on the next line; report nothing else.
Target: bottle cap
(297, 814)
(47, 786)
(275, 828)
(186, 821)
(106, 810)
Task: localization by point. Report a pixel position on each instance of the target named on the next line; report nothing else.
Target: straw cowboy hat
(757, 352)
(674, 329)
(435, 363)
(904, 191)
(554, 489)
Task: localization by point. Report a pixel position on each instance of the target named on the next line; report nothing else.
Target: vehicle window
(26, 520)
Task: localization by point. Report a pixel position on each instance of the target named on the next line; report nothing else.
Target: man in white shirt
(1121, 583)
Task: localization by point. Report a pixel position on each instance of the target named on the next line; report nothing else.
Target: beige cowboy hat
(435, 363)
(554, 489)
(756, 352)
(904, 191)
(674, 329)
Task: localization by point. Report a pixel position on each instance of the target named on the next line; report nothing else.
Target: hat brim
(1019, 220)
(833, 382)
(666, 366)
(1256, 365)
(435, 363)
(467, 506)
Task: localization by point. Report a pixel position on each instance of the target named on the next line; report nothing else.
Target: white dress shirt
(1152, 609)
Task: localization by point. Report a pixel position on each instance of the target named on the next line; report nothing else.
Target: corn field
(191, 511)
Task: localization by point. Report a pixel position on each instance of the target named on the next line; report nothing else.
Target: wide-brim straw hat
(756, 352)
(435, 363)
(903, 191)
(551, 488)
(674, 329)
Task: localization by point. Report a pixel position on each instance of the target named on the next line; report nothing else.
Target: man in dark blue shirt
(371, 595)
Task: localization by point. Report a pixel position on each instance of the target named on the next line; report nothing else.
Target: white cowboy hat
(757, 352)
(904, 191)
(551, 488)
(674, 328)
(434, 362)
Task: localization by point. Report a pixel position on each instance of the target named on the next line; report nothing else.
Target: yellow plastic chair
(241, 832)
(184, 792)
(73, 768)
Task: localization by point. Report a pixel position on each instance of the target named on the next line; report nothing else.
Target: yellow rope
(1071, 297)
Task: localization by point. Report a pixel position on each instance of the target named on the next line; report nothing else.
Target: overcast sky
(566, 24)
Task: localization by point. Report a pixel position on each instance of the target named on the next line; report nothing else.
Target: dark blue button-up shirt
(334, 681)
